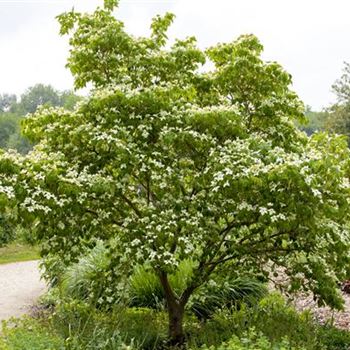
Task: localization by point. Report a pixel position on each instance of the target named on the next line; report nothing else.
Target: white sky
(310, 38)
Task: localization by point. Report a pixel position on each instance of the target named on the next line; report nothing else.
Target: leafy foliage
(338, 119)
(252, 341)
(12, 113)
(44, 95)
(342, 86)
(146, 289)
(36, 96)
(83, 327)
(81, 280)
(8, 126)
(7, 229)
(272, 316)
(275, 318)
(333, 338)
(229, 294)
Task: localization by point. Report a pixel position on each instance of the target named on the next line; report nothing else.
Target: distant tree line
(13, 110)
(335, 118)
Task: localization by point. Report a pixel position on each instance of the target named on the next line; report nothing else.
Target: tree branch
(131, 205)
(169, 293)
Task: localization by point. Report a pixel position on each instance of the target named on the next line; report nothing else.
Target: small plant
(52, 268)
(252, 340)
(81, 280)
(227, 294)
(84, 327)
(275, 318)
(272, 316)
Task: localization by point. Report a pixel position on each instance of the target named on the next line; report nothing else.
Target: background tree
(7, 101)
(342, 86)
(165, 163)
(68, 99)
(8, 126)
(12, 112)
(38, 95)
(315, 121)
(339, 114)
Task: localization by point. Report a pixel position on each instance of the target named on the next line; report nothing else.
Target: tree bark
(176, 332)
(176, 310)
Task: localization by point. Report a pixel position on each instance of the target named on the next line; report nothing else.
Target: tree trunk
(176, 310)
(176, 332)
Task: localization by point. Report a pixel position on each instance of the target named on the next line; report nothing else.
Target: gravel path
(20, 286)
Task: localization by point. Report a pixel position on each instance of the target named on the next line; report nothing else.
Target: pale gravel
(20, 287)
(322, 315)
(340, 319)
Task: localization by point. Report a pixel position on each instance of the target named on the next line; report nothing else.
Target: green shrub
(147, 329)
(75, 319)
(270, 324)
(10, 230)
(229, 294)
(52, 268)
(80, 274)
(24, 235)
(276, 319)
(252, 341)
(50, 299)
(7, 229)
(271, 316)
(83, 279)
(84, 327)
(333, 338)
(29, 334)
(146, 290)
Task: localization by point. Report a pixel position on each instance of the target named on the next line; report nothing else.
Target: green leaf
(110, 5)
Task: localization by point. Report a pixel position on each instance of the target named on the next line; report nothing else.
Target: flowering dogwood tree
(167, 162)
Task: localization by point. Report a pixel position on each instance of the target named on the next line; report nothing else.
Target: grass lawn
(18, 252)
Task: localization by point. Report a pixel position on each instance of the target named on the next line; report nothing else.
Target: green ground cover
(15, 252)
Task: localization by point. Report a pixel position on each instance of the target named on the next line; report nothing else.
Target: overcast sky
(310, 38)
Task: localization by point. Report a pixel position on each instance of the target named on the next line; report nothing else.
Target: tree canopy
(165, 162)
